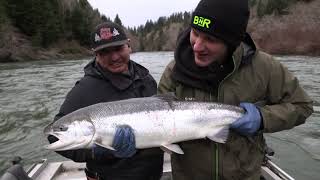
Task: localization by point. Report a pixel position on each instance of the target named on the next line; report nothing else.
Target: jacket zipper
(218, 99)
(217, 161)
(215, 154)
(219, 87)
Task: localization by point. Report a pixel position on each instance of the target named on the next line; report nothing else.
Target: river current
(32, 92)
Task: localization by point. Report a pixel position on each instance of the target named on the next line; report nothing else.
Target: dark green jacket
(256, 77)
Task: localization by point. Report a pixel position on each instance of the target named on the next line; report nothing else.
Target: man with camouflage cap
(112, 76)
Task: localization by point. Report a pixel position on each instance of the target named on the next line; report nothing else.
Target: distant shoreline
(90, 56)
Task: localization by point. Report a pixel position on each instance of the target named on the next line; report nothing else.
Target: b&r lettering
(201, 21)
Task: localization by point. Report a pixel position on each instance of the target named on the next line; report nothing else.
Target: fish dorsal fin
(104, 146)
(169, 148)
(219, 135)
(169, 96)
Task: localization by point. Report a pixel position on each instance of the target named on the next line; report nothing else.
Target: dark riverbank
(17, 47)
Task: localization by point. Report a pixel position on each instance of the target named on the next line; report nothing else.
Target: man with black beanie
(216, 60)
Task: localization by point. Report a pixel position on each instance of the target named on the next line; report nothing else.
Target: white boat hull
(71, 170)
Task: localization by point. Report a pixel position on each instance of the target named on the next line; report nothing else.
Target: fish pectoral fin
(219, 135)
(82, 142)
(169, 148)
(104, 146)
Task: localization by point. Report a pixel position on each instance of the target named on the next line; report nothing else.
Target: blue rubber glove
(250, 123)
(124, 142)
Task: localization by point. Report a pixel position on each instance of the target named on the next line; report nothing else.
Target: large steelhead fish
(158, 121)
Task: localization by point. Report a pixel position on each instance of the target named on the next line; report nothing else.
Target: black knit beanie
(224, 19)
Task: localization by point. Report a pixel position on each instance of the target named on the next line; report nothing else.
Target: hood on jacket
(119, 80)
(207, 78)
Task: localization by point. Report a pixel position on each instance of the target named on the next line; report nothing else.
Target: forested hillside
(44, 29)
(55, 29)
(277, 26)
(292, 29)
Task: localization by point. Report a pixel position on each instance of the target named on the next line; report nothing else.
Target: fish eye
(61, 128)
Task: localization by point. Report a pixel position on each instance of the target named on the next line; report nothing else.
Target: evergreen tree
(84, 4)
(161, 22)
(52, 23)
(105, 19)
(20, 12)
(37, 18)
(3, 16)
(46, 21)
(267, 7)
(80, 25)
(186, 18)
(252, 3)
(148, 27)
(141, 42)
(161, 40)
(67, 25)
(117, 20)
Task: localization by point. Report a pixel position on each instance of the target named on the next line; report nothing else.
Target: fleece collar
(207, 78)
(121, 81)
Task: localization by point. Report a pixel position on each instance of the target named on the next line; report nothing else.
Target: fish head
(73, 131)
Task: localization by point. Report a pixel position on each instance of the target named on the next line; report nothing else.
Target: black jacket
(100, 86)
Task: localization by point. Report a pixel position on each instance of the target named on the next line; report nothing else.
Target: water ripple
(32, 92)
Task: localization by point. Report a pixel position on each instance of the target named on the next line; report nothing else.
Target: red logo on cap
(105, 33)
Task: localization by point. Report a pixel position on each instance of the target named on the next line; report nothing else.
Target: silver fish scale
(165, 125)
(127, 106)
(205, 105)
(155, 121)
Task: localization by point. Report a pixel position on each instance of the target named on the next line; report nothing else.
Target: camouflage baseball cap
(108, 34)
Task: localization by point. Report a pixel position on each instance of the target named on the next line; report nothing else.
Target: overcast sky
(137, 12)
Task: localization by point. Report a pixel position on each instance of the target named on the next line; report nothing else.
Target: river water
(32, 92)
